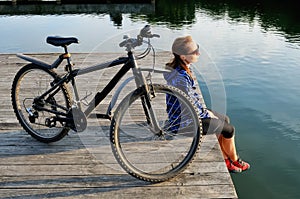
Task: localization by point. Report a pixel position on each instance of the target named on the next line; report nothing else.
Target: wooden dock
(82, 165)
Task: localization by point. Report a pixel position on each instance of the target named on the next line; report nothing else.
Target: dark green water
(250, 69)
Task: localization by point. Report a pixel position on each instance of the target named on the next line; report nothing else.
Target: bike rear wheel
(30, 82)
(148, 154)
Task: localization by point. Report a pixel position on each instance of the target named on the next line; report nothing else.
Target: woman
(186, 52)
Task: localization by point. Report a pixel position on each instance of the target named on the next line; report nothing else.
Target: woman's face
(193, 55)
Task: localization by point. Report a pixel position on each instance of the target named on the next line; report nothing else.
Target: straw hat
(183, 45)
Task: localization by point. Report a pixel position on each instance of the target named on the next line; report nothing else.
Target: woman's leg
(228, 147)
(226, 141)
(226, 136)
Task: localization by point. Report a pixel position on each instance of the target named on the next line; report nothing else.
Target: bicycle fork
(146, 100)
(149, 112)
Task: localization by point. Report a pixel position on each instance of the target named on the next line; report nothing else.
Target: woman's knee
(228, 131)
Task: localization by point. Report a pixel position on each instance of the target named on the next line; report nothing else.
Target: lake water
(249, 59)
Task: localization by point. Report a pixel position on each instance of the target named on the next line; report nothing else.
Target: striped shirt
(180, 78)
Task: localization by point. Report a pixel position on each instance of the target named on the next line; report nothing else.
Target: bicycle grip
(123, 43)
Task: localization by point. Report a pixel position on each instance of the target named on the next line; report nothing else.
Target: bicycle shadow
(18, 142)
(71, 167)
(72, 186)
(31, 169)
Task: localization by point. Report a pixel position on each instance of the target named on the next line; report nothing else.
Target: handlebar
(146, 32)
(131, 43)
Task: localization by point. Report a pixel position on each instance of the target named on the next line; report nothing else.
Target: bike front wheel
(39, 118)
(155, 154)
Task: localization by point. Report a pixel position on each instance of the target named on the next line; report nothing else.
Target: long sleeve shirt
(181, 79)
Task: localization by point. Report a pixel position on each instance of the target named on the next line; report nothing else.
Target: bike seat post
(67, 56)
(66, 49)
(69, 66)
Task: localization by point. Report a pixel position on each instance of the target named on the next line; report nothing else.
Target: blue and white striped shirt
(179, 78)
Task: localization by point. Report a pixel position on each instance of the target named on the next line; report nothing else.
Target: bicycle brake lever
(146, 31)
(123, 43)
(156, 35)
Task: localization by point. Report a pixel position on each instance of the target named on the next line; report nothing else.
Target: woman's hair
(176, 61)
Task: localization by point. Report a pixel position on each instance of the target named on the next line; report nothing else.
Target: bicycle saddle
(61, 41)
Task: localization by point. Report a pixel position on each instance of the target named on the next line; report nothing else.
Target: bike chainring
(79, 121)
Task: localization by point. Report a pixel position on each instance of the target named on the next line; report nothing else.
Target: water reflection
(273, 15)
(115, 10)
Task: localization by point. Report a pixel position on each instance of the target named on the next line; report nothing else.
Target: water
(247, 50)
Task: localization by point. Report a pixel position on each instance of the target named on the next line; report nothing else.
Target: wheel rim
(150, 157)
(31, 84)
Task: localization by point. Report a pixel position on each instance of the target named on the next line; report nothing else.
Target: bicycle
(143, 141)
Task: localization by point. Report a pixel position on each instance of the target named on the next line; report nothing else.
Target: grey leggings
(221, 125)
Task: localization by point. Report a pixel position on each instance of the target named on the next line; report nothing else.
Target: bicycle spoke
(37, 116)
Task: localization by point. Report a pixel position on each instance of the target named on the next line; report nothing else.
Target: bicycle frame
(128, 62)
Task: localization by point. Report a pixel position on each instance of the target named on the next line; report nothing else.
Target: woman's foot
(241, 164)
(231, 167)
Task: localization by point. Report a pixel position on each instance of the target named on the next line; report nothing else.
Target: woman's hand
(211, 114)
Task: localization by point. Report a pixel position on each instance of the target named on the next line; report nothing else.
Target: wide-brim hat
(183, 45)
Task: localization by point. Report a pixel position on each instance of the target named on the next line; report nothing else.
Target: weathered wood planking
(82, 165)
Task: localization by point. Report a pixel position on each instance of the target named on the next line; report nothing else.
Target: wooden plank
(82, 164)
(103, 180)
(142, 191)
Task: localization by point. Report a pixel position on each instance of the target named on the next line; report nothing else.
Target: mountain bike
(143, 140)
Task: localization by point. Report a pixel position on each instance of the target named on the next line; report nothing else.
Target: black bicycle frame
(112, 83)
(129, 63)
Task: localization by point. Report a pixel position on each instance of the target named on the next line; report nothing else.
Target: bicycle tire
(30, 82)
(144, 155)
